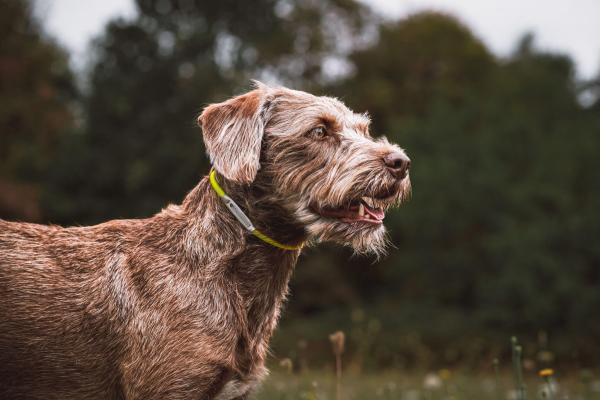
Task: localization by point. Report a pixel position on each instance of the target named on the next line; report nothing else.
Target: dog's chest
(234, 389)
(239, 387)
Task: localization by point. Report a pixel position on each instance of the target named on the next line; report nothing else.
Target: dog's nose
(397, 163)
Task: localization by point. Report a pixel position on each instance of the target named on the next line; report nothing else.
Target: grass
(405, 385)
(492, 383)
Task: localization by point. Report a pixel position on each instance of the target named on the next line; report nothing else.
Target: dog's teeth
(361, 209)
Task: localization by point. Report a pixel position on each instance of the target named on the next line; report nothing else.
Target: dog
(182, 305)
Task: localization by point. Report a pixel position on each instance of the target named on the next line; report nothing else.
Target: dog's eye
(319, 132)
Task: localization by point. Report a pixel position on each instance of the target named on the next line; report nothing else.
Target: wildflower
(444, 374)
(546, 372)
(551, 387)
(432, 382)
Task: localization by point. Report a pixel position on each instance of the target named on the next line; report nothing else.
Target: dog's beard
(357, 222)
(366, 240)
(363, 238)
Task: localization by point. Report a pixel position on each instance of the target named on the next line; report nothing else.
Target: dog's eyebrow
(362, 124)
(331, 122)
(363, 127)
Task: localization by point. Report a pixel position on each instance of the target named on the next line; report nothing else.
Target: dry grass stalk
(287, 365)
(337, 341)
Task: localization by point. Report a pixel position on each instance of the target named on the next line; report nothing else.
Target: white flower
(432, 381)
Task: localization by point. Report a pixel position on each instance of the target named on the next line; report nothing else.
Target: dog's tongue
(353, 213)
(376, 213)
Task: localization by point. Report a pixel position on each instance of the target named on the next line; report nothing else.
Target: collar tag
(238, 213)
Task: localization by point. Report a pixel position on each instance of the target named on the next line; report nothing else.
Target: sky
(566, 26)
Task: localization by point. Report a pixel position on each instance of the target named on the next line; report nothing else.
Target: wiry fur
(182, 305)
(328, 172)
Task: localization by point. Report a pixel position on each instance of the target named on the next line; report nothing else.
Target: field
(517, 377)
(410, 385)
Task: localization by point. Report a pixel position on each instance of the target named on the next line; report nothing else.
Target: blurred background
(501, 237)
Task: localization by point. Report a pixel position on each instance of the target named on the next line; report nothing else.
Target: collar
(243, 218)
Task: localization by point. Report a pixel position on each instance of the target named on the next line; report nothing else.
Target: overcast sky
(568, 26)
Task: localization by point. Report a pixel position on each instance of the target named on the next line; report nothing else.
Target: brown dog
(182, 305)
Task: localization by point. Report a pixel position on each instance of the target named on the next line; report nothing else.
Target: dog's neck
(214, 241)
(265, 210)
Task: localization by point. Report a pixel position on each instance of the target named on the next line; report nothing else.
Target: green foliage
(141, 148)
(499, 234)
(36, 90)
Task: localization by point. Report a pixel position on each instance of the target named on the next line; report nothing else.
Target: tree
(416, 62)
(141, 148)
(36, 91)
(497, 235)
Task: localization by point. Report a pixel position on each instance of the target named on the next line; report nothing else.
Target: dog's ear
(233, 132)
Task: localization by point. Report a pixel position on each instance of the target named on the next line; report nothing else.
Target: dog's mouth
(363, 210)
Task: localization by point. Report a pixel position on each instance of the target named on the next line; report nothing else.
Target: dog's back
(53, 333)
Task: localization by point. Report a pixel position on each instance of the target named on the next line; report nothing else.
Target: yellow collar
(243, 218)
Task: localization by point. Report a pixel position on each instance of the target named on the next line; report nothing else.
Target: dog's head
(318, 157)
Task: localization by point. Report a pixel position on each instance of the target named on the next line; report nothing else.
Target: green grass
(514, 378)
(403, 385)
